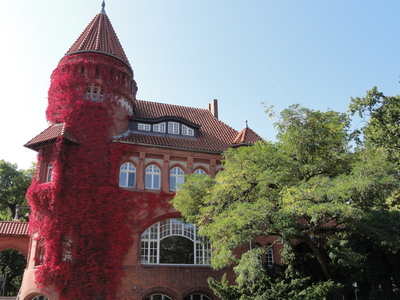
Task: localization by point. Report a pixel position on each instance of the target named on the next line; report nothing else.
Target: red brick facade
(146, 132)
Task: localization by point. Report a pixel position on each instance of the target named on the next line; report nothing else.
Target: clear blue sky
(187, 52)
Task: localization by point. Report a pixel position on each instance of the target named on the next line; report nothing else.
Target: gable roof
(99, 36)
(50, 135)
(14, 228)
(212, 135)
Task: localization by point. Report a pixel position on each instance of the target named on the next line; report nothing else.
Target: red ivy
(83, 205)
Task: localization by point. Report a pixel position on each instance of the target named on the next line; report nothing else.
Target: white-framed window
(199, 172)
(49, 173)
(173, 127)
(269, 258)
(39, 297)
(187, 131)
(172, 241)
(127, 175)
(196, 297)
(153, 175)
(176, 178)
(160, 127)
(158, 297)
(145, 127)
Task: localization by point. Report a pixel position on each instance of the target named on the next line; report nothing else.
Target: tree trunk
(320, 256)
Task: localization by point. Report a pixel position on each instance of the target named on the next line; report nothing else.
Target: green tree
(13, 186)
(306, 187)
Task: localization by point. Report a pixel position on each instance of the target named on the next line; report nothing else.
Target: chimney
(213, 108)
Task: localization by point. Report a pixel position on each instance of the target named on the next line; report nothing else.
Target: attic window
(159, 127)
(142, 126)
(173, 127)
(187, 131)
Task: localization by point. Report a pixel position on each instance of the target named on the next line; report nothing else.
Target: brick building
(108, 164)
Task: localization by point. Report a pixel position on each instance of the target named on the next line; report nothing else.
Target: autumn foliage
(84, 220)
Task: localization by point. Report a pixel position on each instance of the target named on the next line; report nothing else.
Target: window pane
(131, 179)
(200, 172)
(156, 184)
(196, 297)
(122, 179)
(176, 250)
(172, 183)
(149, 181)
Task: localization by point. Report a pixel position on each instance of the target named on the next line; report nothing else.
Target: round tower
(79, 215)
(94, 69)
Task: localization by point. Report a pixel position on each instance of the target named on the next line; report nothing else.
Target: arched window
(199, 172)
(176, 177)
(153, 177)
(196, 297)
(94, 96)
(49, 175)
(39, 298)
(127, 175)
(158, 297)
(173, 242)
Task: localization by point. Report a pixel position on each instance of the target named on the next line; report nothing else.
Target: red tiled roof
(213, 135)
(99, 36)
(50, 134)
(247, 136)
(14, 228)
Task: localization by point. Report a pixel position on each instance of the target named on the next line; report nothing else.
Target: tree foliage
(310, 189)
(13, 186)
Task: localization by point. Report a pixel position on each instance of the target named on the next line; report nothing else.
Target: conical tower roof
(246, 137)
(99, 36)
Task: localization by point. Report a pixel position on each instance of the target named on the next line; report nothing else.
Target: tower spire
(103, 11)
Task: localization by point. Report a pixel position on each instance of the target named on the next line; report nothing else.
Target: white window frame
(163, 297)
(173, 127)
(151, 237)
(128, 170)
(198, 296)
(144, 127)
(269, 258)
(187, 130)
(200, 172)
(176, 178)
(49, 173)
(152, 173)
(160, 127)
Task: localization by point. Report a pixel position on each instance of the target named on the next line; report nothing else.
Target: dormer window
(173, 127)
(187, 131)
(145, 127)
(159, 127)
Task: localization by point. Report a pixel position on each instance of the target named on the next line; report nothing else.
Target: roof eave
(170, 147)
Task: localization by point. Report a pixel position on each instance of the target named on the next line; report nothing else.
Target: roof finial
(247, 126)
(103, 11)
